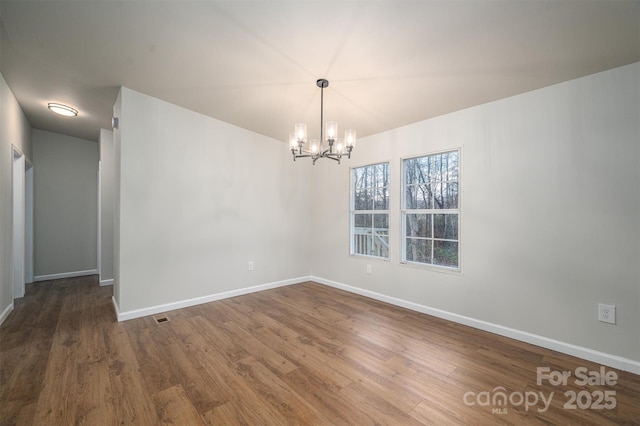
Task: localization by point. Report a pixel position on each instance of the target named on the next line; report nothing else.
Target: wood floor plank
(25, 416)
(234, 312)
(299, 357)
(213, 332)
(118, 351)
(258, 350)
(205, 392)
(132, 402)
(277, 393)
(301, 354)
(57, 398)
(151, 359)
(225, 414)
(378, 409)
(249, 401)
(274, 327)
(175, 408)
(94, 403)
(23, 369)
(325, 398)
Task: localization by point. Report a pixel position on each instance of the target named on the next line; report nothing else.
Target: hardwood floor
(304, 354)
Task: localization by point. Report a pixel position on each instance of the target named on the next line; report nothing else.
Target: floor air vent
(159, 319)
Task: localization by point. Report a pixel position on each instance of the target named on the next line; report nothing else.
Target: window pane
(435, 165)
(361, 243)
(362, 178)
(445, 195)
(381, 199)
(381, 223)
(416, 170)
(418, 197)
(381, 178)
(410, 170)
(380, 241)
(451, 165)
(418, 225)
(363, 200)
(362, 221)
(443, 167)
(380, 246)
(450, 199)
(357, 176)
(445, 253)
(445, 226)
(410, 197)
(418, 250)
(371, 245)
(424, 197)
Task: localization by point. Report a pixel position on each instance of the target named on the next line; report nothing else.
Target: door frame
(21, 222)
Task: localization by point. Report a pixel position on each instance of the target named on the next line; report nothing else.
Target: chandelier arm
(331, 157)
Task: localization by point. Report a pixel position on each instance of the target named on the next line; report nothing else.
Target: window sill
(432, 268)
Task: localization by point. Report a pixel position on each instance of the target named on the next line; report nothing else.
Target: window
(430, 210)
(370, 210)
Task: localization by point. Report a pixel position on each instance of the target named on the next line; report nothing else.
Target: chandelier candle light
(332, 147)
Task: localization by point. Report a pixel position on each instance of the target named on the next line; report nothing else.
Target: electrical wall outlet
(250, 265)
(369, 269)
(606, 313)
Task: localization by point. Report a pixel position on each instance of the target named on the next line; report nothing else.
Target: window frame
(373, 211)
(404, 211)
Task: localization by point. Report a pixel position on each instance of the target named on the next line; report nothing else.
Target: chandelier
(332, 148)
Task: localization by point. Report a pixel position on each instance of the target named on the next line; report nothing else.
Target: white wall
(550, 213)
(106, 189)
(196, 200)
(117, 152)
(65, 205)
(14, 130)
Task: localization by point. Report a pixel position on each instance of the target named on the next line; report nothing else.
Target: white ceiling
(254, 63)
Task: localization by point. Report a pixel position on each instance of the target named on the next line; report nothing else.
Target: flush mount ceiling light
(332, 148)
(61, 109)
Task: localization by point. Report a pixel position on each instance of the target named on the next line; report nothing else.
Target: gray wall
(107, 182)
(66, 205)
(549, 213)
(197, 199)
(14, 130)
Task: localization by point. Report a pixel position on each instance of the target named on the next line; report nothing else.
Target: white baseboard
(6, 312)
(106, 282)
(602, 358)
(152, 310)
(115, 307)
(65, 275)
